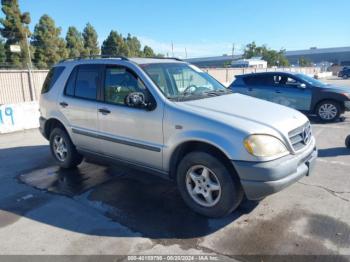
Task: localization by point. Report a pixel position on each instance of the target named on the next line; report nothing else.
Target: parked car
(296, 90)
(347, 141)
(169, 117)
(344, 73)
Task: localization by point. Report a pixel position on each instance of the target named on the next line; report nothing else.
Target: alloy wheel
(60, 148)
(203, 186)
(328, 111)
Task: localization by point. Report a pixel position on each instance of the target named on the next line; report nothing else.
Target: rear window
(51, 78)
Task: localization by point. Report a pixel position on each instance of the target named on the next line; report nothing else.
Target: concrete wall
(18, 86)
(19, 116)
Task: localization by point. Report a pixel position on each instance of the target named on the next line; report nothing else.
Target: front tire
(347, 142)
(63, 150)
(207, 185)
(345, 77)
(328, 111)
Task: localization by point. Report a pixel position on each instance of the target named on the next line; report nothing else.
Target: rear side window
(51, 78)
(84, 81)
(264, 80)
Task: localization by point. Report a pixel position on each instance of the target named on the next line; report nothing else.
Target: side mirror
(138, 100)
(302, 86)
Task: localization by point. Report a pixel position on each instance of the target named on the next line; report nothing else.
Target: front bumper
(260, 179)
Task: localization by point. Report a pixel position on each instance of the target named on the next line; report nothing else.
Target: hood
(248, 113)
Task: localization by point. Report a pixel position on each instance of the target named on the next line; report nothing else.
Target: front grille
(300, 136)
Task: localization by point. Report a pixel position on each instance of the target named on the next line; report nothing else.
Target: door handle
(63, 104)
(250, 89)
(104, 111)
(278, 92)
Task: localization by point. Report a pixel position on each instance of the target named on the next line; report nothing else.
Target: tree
(15, 30)
(74, 42)
(49, 46)
(2, 52)
(114, 45)
(303, 62)
(90, 41)
(134, 46)
(148, 52)
(273, 57)
(227, 64)
(252, 50)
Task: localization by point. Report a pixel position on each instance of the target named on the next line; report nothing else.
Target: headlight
(264, 146)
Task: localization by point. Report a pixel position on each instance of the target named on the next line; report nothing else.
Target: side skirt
(108, 160)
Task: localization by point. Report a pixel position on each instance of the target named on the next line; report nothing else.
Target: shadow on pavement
(315, 120)
(138, 200)
(333, 152)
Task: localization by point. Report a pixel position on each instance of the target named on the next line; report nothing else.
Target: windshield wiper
(193, 95)
(219, 92)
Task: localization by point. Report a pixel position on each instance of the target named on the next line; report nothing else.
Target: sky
(206, 27)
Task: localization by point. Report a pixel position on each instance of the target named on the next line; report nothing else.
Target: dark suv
(296, 90)
(344, 73)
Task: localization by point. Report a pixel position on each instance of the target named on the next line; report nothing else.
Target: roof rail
(93, 57)
(111, 56)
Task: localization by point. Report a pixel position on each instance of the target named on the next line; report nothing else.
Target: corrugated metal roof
(318, 51)
(213, 58)
(288, 53)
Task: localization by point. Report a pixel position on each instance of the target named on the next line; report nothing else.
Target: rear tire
(207, 185)
(328, 111)
(345, 76)
(63, 150)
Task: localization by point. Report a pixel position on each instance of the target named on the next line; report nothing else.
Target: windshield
(311, 81)
(180, 81)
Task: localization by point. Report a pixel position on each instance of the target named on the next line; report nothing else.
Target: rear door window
(51, 78)
(87, 82)
(70, 86)
(261, 80)
(84, 82)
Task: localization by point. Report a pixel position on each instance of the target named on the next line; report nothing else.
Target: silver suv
(171, 118)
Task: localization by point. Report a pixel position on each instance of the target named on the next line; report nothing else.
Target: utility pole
(30, 76)
(172, 48)
(233, 49)
(186, 52)
(28, 51)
